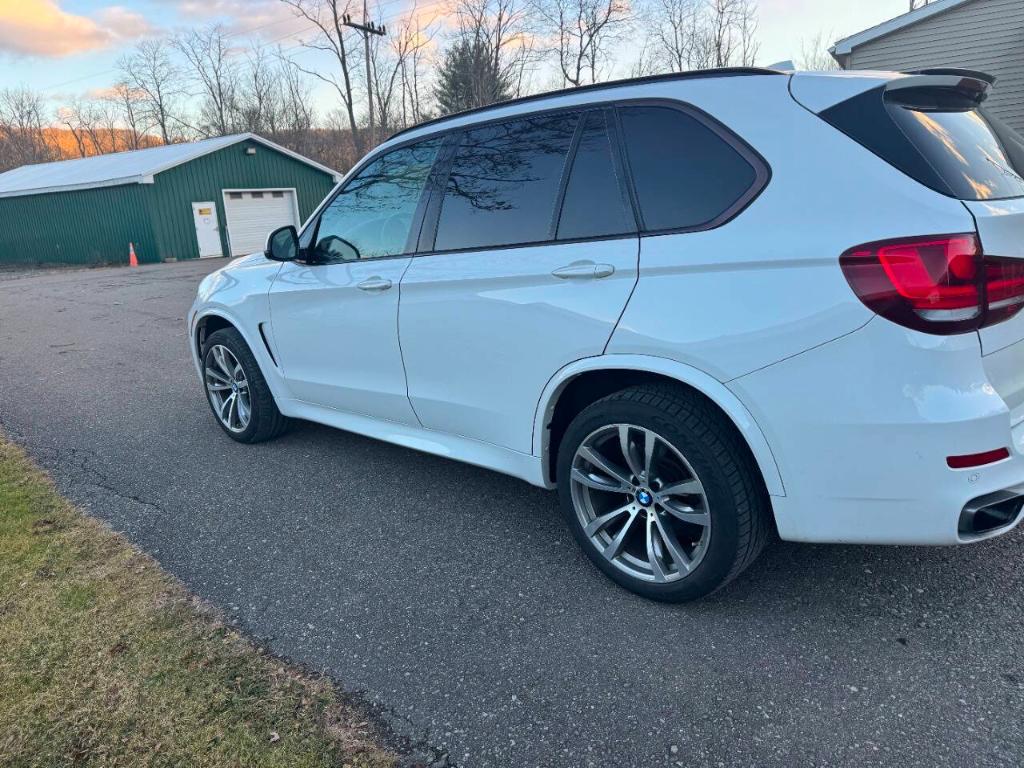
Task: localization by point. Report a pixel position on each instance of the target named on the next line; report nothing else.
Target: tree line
(439, 57)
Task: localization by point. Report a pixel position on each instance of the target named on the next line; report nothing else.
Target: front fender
(685, 374)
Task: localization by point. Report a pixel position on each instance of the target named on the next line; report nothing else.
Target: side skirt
(522, 465)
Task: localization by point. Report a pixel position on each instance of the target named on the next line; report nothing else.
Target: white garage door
(253, 214)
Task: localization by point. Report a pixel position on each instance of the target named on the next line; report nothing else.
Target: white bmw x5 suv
(705, 307)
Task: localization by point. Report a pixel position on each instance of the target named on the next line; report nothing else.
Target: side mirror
(283, 244)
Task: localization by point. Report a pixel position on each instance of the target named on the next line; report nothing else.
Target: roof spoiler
(966, 82)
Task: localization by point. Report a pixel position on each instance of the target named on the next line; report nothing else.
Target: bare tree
(260, 96)
(209, 58)
(151, 72)
(582, 29)
(699, 34)
(814, 53)
(23, 135)
(130, 105)
(746, 32)
(501, 27)
(327, 18)
(681, 36)
(397, 71)
(77, 117)
(412, 40)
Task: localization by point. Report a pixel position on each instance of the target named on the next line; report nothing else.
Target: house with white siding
(984, 35)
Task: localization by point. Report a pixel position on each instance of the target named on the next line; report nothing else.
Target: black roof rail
(990, 79)
(691, 75)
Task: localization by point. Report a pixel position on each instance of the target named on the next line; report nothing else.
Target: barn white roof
(136, 167)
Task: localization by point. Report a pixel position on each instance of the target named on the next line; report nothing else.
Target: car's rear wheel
(235, 388)
(661, 493)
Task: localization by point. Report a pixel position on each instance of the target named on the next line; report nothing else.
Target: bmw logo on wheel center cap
(644, 497)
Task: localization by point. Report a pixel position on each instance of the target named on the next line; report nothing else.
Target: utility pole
(367, 28)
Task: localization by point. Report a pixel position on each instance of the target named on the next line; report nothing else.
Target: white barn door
(253, 214)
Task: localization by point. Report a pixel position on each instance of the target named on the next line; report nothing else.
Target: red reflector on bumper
(977, 459)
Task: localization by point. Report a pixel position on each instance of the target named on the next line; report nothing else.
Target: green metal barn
(218, 197)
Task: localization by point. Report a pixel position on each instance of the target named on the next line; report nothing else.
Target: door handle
(584, 270)
(374, 284)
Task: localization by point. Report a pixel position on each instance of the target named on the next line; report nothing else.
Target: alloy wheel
(640, 503)
(227, 388)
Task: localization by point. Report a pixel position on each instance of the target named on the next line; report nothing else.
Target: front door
(528, 283)
(335, 317)
(207, 229)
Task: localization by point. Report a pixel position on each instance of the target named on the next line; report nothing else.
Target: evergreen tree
(469, 77)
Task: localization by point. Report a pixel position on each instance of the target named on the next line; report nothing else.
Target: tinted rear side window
(504, 182)
(596, 202)
(685, 174)
(938, 137)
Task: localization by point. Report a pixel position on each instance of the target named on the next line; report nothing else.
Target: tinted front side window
(371, 217)
(595, 204)
(684, 173)
(504, 182)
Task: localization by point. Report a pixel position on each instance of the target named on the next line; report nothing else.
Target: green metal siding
(203, 180)
(94, 226)
(89, 226)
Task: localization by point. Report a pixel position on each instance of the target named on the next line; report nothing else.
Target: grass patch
(106, 660)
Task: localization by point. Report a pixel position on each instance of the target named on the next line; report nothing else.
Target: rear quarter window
(686, 174)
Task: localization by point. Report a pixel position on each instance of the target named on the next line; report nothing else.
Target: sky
(67, 48)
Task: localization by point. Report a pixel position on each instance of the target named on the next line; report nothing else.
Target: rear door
(515, 284)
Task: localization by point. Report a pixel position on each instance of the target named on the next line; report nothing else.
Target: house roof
(845, 46)
(135, 167)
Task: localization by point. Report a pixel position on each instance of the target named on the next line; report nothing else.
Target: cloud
(43, 28)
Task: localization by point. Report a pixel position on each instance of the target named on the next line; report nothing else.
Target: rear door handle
(584, 270)
(374, 284)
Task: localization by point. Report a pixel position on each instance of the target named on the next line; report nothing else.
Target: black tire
(266, 421)
(737, 500)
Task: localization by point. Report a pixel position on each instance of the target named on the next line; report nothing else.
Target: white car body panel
(849, 417)
(483, 331)
(767, 285)
(337, 343)
(863, 453)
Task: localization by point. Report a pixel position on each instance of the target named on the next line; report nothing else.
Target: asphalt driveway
(453, 598)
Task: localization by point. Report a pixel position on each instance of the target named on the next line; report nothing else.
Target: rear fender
(685, 374)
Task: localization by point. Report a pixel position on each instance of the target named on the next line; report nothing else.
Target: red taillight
(942, 284)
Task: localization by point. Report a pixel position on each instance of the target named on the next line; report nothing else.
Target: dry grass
(106, 661)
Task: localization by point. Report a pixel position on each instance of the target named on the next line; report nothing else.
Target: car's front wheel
(661, 493)
(237, 393)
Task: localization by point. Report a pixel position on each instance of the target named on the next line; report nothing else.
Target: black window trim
(621, 177)
(428, 210)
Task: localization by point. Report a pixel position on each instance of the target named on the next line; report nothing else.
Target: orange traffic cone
(133, 261)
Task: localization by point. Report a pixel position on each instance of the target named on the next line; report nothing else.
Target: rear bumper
(861, 428)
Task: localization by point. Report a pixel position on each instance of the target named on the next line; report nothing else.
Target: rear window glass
(965, 148)
(937, 137)
(685, 174)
